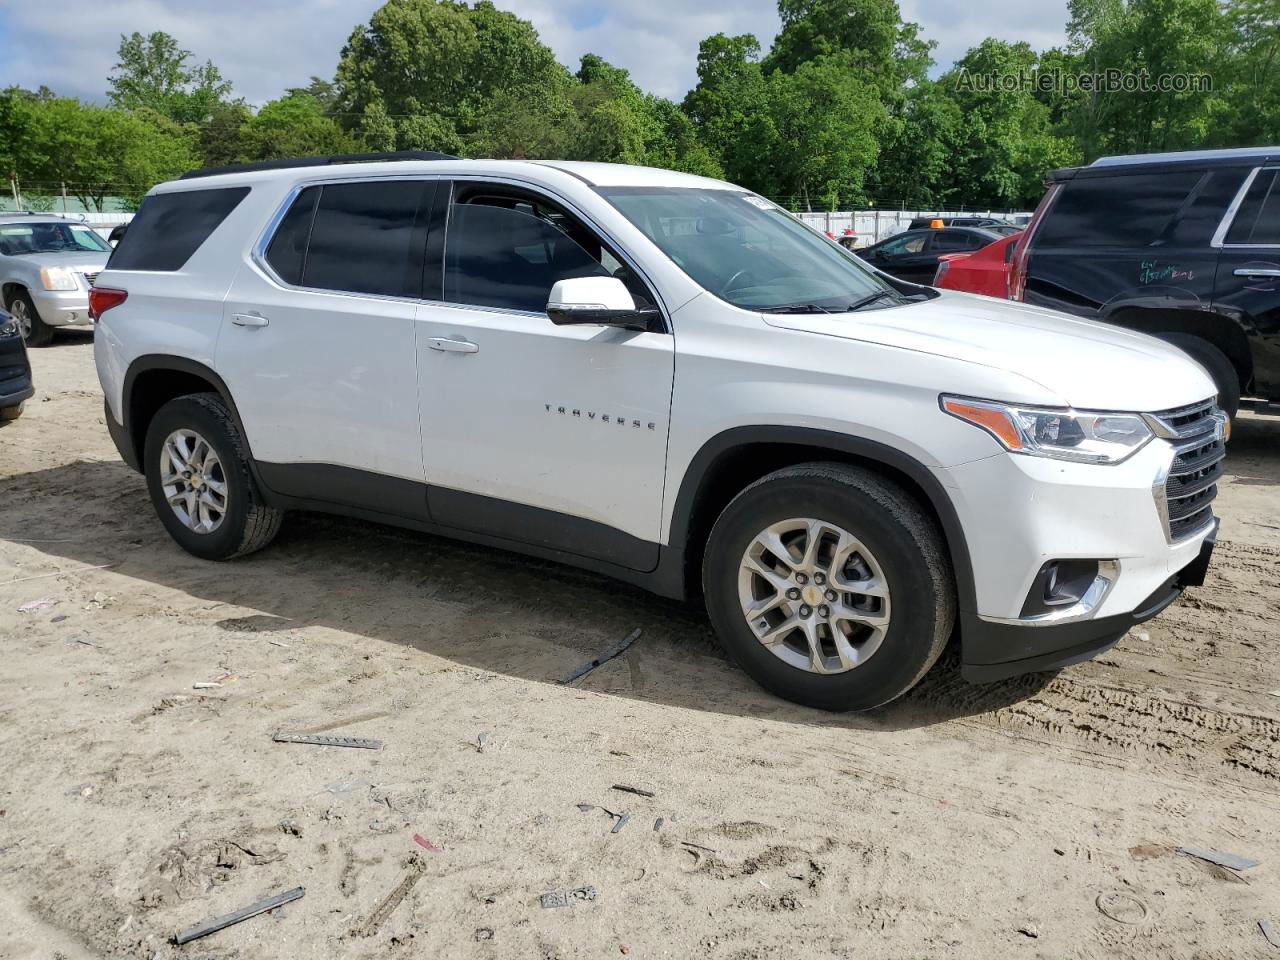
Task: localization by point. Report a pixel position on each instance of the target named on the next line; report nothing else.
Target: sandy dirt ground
(1032, 818)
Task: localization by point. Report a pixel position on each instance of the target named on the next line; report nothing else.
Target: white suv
(667, 379)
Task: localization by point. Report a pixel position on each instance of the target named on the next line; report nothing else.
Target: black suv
(1185, 246)
(15, 372)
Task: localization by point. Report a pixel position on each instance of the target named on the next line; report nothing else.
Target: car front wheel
(830, 585)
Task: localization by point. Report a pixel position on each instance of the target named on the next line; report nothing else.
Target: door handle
(249, 320)
(1257, 272)
(453, 346)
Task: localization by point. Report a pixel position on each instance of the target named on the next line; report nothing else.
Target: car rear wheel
(830, 586)
(11, 413)
(34, 331)
(200, 483)
(1215, 362)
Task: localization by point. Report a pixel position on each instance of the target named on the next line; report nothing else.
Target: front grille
(1199, 444)
(91, 278)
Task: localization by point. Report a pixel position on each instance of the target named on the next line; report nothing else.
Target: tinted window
(362, 238)
(949, 241)
(511, 255)
(288, 247)
(169, 228)
(1117, 211)
(905, 244)
(1258, 219)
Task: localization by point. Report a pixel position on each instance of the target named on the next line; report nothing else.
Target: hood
(1079, 363)
(89, 261)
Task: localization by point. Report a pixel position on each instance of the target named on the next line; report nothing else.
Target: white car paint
(353, 380)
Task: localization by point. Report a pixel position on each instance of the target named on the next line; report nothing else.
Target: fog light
(1060, 583)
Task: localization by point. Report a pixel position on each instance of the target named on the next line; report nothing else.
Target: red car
(984, 271)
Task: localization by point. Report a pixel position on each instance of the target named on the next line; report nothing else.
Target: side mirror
(599, 301)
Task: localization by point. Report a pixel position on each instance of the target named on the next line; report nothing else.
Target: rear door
(1248, 280)
(317, 345)
(550, 435)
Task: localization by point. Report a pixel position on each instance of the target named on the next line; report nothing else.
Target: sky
(264, 46)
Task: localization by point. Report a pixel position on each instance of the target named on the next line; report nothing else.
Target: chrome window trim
(1224, 226)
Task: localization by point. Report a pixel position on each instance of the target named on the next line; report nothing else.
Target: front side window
(23, 238)
(746, 250)
(1258, 219)
(508, 249)
(905, 244)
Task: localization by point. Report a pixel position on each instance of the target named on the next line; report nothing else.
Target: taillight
(102, 299)
(1016, 276)
(943, 267)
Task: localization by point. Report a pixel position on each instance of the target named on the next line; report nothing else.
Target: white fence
(870, 226)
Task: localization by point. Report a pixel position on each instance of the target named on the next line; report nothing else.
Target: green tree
(152, 72)
(221, 138)
(916, 163)
(1252, 74)
(731, 90)
(293, 126)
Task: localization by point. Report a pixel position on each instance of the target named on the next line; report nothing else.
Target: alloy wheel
(194, 482)
(814, 595)
(18, 310)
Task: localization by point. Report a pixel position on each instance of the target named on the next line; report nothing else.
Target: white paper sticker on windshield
(760, 202)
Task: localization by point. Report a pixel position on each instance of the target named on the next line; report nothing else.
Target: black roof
(317, 162)
(1155, 162)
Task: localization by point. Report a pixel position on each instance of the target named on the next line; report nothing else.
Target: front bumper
(1023, 649)
(15, 372)
(63, 308)
(1020, 513)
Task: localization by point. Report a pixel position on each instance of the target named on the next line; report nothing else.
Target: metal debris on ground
(425, 844)
(219, 923)
(1231, 860)
(1270, 931)
(604, 656)
(483, 741)
(392, 900)
(657, 824)
(622, 822)
(586, 807)
(636, 790)
(567, 898)
(31, 606)
(323, 741)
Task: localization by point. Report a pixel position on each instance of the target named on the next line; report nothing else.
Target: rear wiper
(796, 308)
(870, 299)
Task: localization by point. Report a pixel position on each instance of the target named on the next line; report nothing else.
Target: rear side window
(1258, 219)
(367, 238)
(1136, 210)
(288, 248)
(170, 227)
(947, 241)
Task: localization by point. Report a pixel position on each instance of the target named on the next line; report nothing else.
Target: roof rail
(317, 162)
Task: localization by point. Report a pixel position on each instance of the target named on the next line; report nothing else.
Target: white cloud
(264, 46)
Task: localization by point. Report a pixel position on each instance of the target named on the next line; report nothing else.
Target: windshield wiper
(796, 308)
(870, 299)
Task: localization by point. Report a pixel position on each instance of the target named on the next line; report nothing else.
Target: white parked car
(47, 265)
(663, 378)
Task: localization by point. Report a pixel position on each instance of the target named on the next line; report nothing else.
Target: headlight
(58, 278)
(1060, 434)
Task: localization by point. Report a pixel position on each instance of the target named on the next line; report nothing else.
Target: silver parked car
(47, 265)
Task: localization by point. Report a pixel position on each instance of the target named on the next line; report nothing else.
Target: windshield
(19, 238)
(748, 251)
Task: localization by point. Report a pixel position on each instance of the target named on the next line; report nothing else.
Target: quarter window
(1121, 210)
(1258, 219)
(170, 227)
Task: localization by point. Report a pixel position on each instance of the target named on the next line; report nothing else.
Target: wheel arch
(154, 379)
(1215, 328)
(730, 461)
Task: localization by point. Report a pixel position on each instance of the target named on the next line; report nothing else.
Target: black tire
(1215, 363)
(11, 413)
(248, 524)
(40, 332)
(907, 544)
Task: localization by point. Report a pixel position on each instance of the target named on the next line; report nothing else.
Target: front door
(1247, 287)
(317, 346)
(551, 435)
